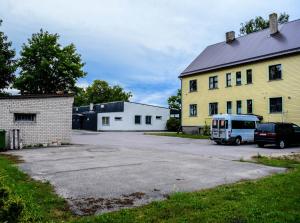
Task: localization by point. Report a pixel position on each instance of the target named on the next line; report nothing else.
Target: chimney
(91, 106)
(273, 23)
(230, 36)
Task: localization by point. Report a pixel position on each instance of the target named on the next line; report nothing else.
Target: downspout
(181, 104)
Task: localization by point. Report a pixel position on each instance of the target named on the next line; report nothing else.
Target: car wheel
(261, 145)
(238, 141)
(281, 144)
(219, 143)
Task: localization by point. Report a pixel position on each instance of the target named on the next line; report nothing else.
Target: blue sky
(141, 45)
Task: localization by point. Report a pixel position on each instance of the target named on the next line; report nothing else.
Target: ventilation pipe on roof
(91, 106)
(230, 36)
(273, 23)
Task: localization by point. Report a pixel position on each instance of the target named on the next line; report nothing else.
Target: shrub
(206, 130)
(173, 124)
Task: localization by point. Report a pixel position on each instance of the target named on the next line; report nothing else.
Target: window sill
(278, 113)
(248, 83)
(229, 86)
(192, 91)
(213, 88)
(193, 116)
(278, 79)
(238, 85)
(25, 122)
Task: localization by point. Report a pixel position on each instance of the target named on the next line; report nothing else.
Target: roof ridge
(285, 23)
(221, 54)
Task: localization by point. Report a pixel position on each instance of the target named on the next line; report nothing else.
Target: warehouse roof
(249, 48)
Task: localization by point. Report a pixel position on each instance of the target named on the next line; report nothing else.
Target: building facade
(121, 116)
(254, 74)
(45, 119)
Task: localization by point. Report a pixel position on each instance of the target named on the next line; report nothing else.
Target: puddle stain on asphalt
(91, 206)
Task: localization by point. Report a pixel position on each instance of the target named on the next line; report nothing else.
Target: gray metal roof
(249, 48)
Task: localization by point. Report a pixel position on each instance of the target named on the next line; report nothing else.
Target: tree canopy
(7, 62)
(175, 101)
(259, 23)
(100, 92)
(46, 67)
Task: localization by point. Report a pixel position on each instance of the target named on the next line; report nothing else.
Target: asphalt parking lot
(111, 170)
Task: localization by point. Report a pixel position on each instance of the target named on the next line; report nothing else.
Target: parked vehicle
(280, 134)
(235, 129)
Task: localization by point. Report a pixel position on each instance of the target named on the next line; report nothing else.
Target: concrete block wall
(53, 119)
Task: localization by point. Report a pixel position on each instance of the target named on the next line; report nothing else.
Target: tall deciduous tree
(175, 101)
(100, 92)
(80, 97)
(7, 62)
(259, 23)
(46, 67)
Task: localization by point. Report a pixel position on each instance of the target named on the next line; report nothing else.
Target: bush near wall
(173, 124)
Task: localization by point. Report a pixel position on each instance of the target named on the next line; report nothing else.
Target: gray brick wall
(53, 119)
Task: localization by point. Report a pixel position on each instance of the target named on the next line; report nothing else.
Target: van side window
(243, 124)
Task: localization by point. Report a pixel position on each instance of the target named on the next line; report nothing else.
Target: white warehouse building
(121, 116)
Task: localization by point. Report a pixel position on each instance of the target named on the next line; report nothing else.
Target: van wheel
(282, 144)
(238, 141)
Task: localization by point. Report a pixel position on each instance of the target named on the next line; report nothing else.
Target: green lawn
(174, 134)
(272, 199)
(41, 204)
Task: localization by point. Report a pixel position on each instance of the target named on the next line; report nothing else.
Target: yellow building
(258, 73)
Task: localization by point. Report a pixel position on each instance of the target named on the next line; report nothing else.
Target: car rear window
(266, 127)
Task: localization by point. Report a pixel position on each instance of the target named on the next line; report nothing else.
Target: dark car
(280, 134)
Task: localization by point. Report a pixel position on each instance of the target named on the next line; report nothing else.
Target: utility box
(2, 140)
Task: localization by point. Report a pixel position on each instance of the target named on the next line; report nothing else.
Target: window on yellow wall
(275, 72)
(276, 105)
(213, 108)
(249, 106)
(239, 107)
(193, 85)
(238, 78)
(229, 107)
(249, 76)
(193, 110)
(213, 82)
(228, 80)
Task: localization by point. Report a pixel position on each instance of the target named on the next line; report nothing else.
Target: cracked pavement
(113, 170)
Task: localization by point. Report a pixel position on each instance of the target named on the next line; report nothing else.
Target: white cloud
(82, 84)
(153, 98)
(12, 91)
(136, 42)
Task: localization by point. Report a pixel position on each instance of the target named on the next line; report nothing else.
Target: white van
(227, 128)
